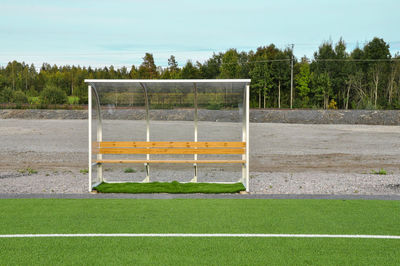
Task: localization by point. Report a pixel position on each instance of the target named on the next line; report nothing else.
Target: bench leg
(147, 178)
(100, 172)
(243, 179)
(194, 180)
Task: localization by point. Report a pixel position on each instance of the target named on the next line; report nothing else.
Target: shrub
(32, 93)
(19, 97)
(73, 100)
(6, 95)
(82, 93)
(33, 100)
(53, 95)
(332, 104)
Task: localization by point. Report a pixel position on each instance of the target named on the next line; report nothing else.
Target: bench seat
(171, 161)
(169, 147)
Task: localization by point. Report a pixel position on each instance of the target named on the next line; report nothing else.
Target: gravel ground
(285, 158)
(296, 116)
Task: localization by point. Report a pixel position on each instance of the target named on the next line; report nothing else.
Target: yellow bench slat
(170, 151)
(168, 144)
(170, 161)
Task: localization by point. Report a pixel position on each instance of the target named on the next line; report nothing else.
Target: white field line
(203, 235)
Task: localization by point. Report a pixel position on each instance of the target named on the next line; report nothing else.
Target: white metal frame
(168, 81)
(90, 135)
(245, 123)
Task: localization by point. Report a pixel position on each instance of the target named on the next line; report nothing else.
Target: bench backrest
(167, 147)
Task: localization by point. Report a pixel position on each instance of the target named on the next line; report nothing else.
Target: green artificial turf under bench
(166, 187)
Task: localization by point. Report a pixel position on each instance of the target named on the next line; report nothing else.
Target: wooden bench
(166, 147)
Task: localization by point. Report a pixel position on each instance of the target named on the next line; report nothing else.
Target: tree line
(367, 77)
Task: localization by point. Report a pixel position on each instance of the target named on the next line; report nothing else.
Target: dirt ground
(58, 148)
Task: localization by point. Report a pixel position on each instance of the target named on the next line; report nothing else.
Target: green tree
(189, 71)
(211, 69)
(280, 70)
(172, 64)
(354, 88)
(334, 61)
(365, 77)
(133, 73)
(377, 49)
(261, 79)
(230, 67)
(148, 69)
(303, 82)
(321, 89)
(173, 69)
(6, 95)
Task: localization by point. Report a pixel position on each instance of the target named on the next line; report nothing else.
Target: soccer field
(198, 216)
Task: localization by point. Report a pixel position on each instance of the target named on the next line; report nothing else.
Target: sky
(119, 32)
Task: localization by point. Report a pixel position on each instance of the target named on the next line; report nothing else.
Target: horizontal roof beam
(168, 81)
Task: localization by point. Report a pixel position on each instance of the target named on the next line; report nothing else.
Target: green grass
(28, 170)
(84, 171)
(199, 216)
(166, 187)
(129, 170)
(23, 216)
(73, 100)
(198, 251)
(380, 172)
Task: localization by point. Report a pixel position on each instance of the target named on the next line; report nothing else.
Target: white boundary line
(204, 235)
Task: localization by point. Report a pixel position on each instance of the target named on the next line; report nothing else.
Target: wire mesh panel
(131, 112)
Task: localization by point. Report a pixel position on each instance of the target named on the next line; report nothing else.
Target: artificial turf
(169, 187)
(198, 251)
(51, 216)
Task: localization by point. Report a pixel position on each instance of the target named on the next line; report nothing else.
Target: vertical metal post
(99, 139)
(247, 136)
(99, 133)
(244, 111)
(90, 135)
(291, 80)
(146, 100)
(195, 131)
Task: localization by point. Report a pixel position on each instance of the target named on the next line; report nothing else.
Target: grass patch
(166, 187)
(84, 171)
(28, 170)
(380, 172)
(129, 170)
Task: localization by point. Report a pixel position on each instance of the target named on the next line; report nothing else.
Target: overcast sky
(119, 32)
